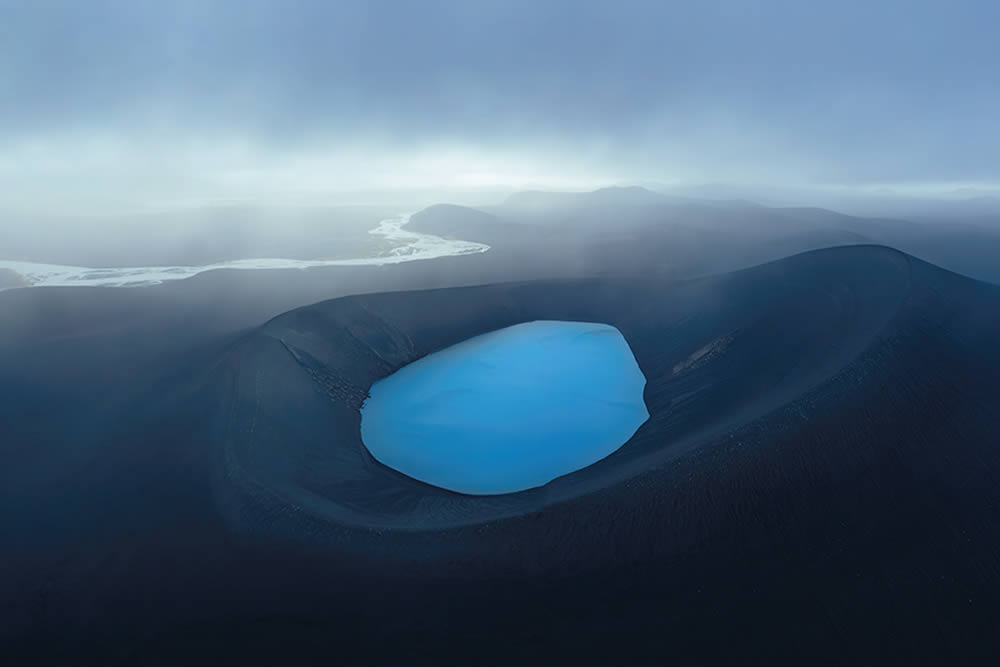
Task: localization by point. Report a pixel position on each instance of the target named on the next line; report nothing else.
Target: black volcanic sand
(817, 483)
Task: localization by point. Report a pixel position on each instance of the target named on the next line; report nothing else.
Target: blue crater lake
(509, 410)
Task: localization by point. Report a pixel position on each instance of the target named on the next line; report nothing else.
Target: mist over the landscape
(189, 133)
(499, 332)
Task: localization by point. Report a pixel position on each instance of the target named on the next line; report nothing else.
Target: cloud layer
(233, 97)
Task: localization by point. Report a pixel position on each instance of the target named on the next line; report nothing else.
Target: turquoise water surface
(508, 410)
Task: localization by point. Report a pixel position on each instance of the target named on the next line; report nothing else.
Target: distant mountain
(696, 235)
(874, 228)
(451, 221)
(605, 197)
(979, 207)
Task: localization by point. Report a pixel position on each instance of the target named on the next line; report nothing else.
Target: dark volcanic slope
(817, 483)
(770, 346)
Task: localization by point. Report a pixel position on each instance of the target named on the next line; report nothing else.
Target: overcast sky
(170, 101)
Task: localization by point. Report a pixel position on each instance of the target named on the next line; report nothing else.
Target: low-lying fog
(609, 230)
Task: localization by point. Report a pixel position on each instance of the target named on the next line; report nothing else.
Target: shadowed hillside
(820, 454)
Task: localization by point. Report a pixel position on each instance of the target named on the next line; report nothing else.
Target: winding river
(411, 246)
